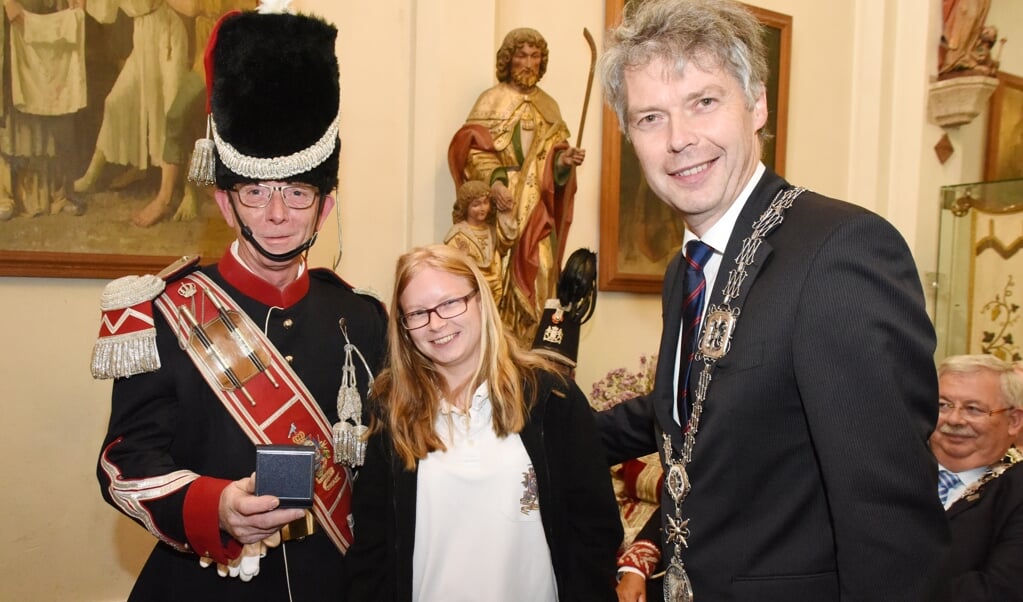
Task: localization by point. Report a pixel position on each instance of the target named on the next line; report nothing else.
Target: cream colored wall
(410, 71)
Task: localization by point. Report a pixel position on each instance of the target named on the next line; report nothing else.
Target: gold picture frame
(639, 233)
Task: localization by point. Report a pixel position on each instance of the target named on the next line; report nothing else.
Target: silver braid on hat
(276, 168)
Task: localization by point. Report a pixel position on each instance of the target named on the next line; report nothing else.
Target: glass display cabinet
(980, 270)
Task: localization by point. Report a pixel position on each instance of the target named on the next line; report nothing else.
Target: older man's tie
(694, 285)
(947, 481)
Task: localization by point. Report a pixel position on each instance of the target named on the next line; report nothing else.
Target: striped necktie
(694, 285)
(947, 481)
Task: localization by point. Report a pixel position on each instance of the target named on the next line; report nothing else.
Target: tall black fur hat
(274, 98)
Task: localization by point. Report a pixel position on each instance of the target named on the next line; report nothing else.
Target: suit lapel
(672, 299)
(672, 296)
(760, 199)
(964, 503)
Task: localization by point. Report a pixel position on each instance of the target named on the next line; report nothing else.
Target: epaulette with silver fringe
(127, 336)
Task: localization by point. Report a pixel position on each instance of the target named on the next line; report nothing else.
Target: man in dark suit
(795, 442)
(980, 412)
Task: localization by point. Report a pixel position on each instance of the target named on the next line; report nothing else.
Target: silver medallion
(678, 532)
(717, 331)
(676, 584)
(677, 482)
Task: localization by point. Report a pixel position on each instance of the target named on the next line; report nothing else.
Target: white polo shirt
(478, 529)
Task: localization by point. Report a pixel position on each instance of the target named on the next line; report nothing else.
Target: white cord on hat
(277, 168)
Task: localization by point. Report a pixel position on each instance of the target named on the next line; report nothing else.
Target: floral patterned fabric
(637, 483)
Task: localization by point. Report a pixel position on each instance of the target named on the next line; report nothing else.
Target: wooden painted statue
(515, 140)
(967, 45)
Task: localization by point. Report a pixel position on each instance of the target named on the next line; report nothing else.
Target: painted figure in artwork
(133, 130)
(37, 126)
(185, 120)
(515, 140)
(483, 230)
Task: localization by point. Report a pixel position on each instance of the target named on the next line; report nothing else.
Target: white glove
(246, 565)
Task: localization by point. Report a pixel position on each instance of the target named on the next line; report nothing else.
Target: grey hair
(1009, 375)
(711, 33)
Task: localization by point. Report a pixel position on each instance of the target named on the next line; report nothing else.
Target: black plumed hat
(273, 99)
(557, 336)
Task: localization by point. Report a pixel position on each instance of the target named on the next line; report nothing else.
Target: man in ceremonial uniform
(980, 412)
(794, 392)
(258, 349)
(515, 141)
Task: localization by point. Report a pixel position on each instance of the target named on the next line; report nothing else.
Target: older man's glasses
(969, 411)
(451, 308)
(295, 196)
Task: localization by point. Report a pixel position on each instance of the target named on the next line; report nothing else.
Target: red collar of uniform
(240, 277)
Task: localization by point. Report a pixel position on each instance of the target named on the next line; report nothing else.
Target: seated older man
(980, 477)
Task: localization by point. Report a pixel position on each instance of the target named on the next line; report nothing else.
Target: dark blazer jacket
(577, 506)
(986, 562)
(812, 479)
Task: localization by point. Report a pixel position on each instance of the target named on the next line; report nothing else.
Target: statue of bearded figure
(515, 140)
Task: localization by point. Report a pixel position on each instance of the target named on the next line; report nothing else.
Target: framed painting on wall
(1004, 157)
(639, 234)
(92, 169)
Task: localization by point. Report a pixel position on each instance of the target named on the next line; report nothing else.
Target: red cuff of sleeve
(643, 555)
(201, 515)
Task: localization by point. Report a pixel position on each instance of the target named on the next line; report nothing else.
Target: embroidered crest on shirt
(529, 502)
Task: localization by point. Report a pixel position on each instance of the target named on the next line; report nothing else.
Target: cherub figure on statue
(484, 230)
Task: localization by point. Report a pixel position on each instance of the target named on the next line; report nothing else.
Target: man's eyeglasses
(971, 412)
(295, 196)
(447, 310)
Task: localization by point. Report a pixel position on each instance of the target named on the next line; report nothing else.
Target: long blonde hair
(409, 390)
